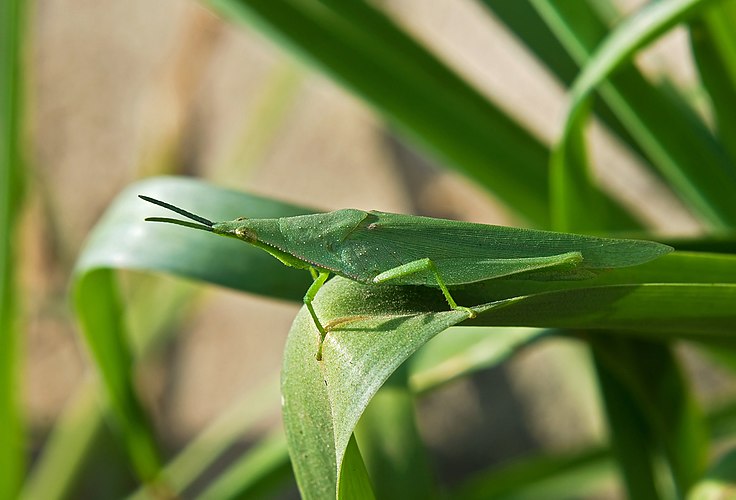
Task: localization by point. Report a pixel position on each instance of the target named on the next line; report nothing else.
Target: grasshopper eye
(241, 219)
(246, 234)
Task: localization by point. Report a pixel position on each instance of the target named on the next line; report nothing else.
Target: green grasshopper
(379, 247)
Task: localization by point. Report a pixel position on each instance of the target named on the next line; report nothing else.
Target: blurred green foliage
(350, 421)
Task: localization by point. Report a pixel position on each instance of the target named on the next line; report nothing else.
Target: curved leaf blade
(123, 240)
(714, 46)
(376, 328)
(710, 195)
(100, 313)
(357, 360)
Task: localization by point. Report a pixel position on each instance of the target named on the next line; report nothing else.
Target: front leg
(418, 266)
(319, 279)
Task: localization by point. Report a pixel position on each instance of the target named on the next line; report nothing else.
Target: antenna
(204, 224)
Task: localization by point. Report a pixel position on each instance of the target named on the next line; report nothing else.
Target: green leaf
(262, 469)
(100, 315)
(703, 176)
(79, 435)
(578, 205)
(722, 420)
(363, 49)
(13, 451)
(123, 240)
(306, 411)
(354, 482)
(390, 443)
(376, 328)
(565, 475)
(628, 433)
(459, 351)
(357, 361)
(714, 46)
(706, 310)
(527, 25)
(719, 481)
(651, 378)
(657, 121)
(527, 21)
(65, 450)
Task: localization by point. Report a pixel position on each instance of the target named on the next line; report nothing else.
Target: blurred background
(118, 91)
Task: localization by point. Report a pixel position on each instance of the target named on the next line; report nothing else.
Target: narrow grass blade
(531, 29)
(567, 475)
(657, 121)
(459, 351)
(100, 316)
(363, 49)
(259, 473)
(80, 434)
(577, 204)
(570, 474)
(705, 186)
(64, 453)
(706, 315)
(650, 373)
(714, 45)
(390, 443)
(719, 481)
(722, 421)
(212, 443)
(629, 435)
(13, 450)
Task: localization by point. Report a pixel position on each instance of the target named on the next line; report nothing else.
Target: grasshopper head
(238, 228)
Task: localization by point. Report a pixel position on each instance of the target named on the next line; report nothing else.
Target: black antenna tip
(180, 211)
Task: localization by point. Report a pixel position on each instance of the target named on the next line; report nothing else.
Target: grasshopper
(379, 247)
